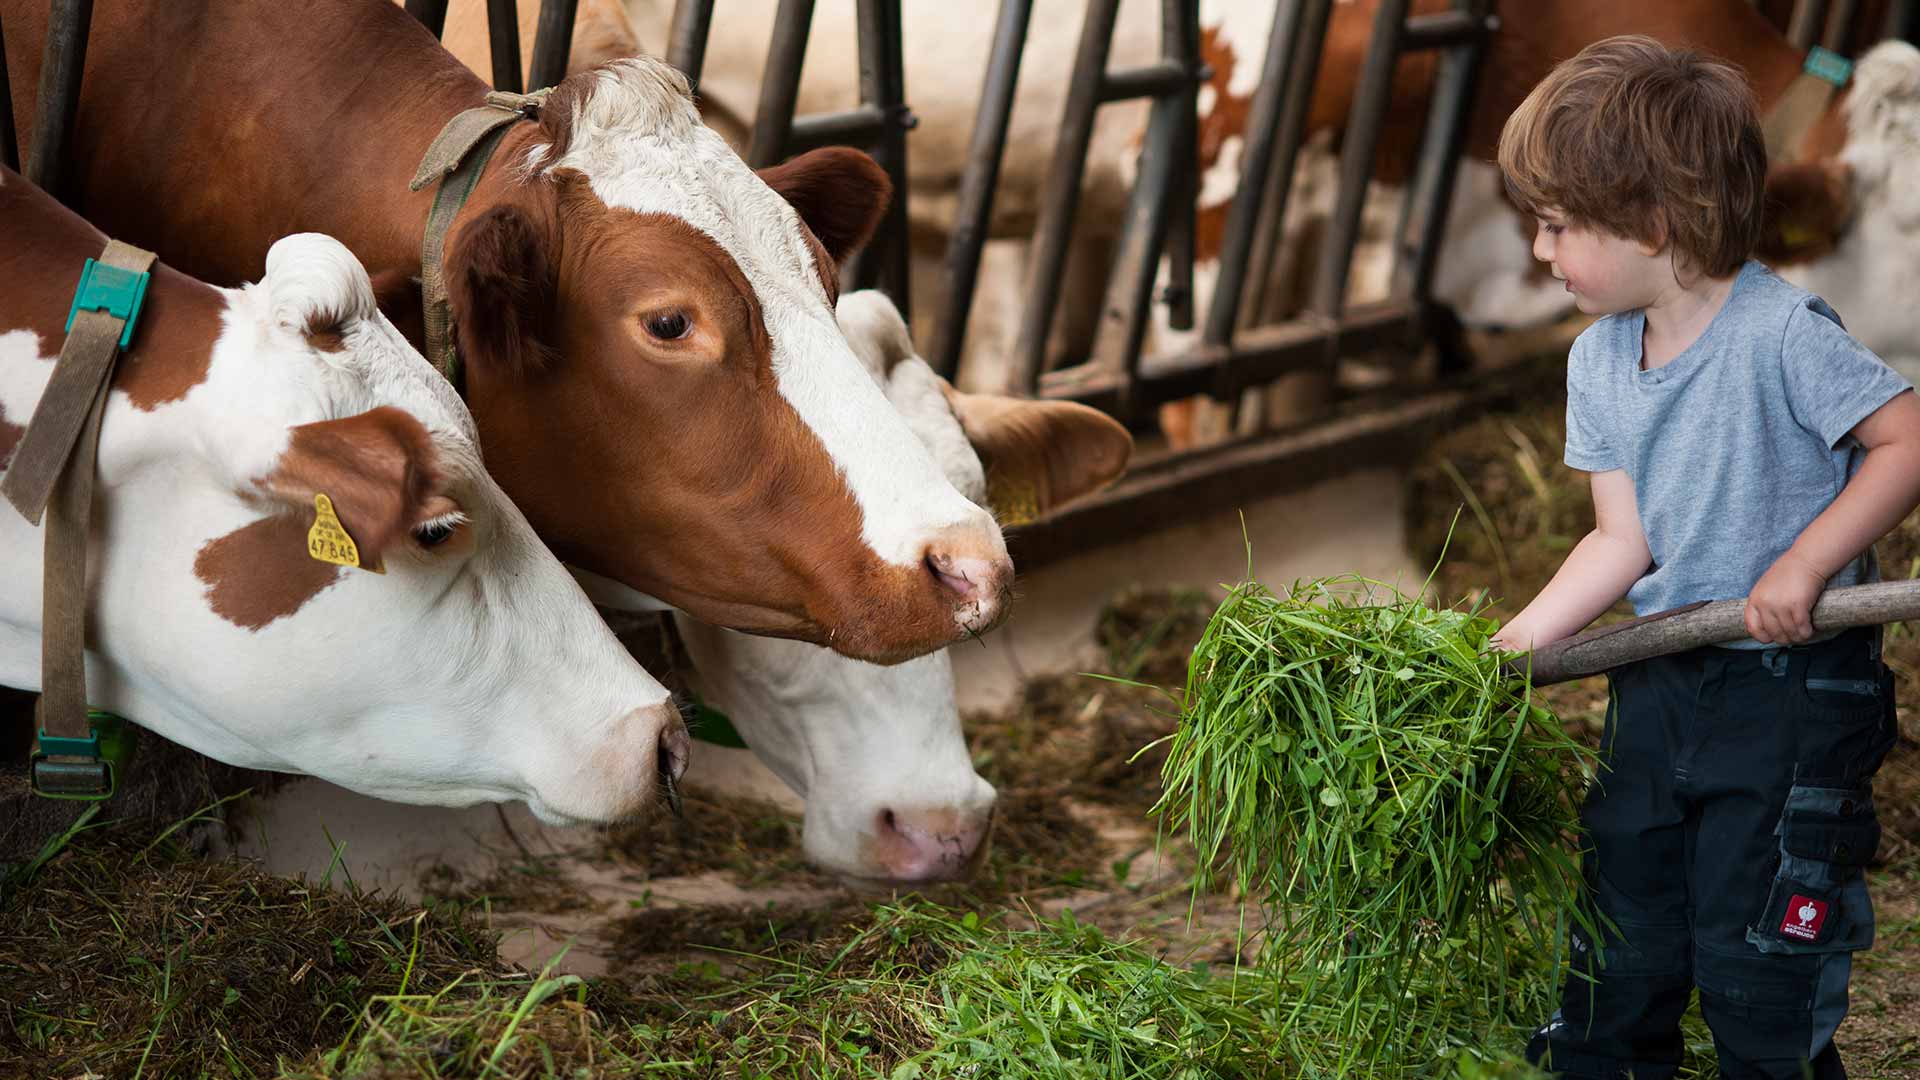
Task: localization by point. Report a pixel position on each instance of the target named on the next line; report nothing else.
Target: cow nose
(975, 570)
(936, 844)
(675, 750)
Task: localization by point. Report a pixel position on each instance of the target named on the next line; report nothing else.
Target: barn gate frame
(1235, 353)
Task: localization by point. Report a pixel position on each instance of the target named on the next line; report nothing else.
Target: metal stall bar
(1423, 216)
(984, 155)
(1298, 81)
(61, 65)
(1364, 122)
(503, 40)
(687, 38)
(432, 14)
(1276, 123)
(1061, 196)
(1839, 35)
(9, 143)
(780, 86)
(1903, 20)
(1143, 238)
(552, 43)
(1809, 17)
(883, 98)
(879, 124)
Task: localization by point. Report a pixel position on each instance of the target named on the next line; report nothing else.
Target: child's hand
(1780, 608)
(1514, 637)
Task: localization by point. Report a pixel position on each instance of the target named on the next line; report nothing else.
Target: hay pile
(1397, 808)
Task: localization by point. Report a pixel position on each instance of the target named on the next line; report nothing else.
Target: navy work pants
(1728, 829)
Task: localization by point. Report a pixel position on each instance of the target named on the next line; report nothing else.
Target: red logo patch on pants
(1804, 918)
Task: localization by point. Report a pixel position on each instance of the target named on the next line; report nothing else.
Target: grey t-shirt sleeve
(1833, 382)
(1588, 448)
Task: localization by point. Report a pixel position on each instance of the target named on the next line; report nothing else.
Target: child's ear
(1660, 234)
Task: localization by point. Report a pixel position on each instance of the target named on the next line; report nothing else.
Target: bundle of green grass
(1396, 805)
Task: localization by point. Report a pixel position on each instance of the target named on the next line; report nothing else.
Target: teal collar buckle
(1828, 66)
(117, 292)
(90, 768)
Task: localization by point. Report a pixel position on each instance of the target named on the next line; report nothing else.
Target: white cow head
(472, 669)
(877, 752)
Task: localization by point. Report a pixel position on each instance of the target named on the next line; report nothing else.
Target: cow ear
(838, 191)
(378, 469)
(501, 284)
(1040, 454)
(1808, 205)
(316, 289)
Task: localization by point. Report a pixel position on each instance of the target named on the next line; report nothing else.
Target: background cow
(472, 669)
(877, 752)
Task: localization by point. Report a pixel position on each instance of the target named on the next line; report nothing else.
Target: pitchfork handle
(1606, 647)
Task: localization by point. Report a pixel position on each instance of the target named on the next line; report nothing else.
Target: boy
(1740, 444)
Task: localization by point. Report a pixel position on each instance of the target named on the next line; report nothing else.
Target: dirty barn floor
(93, 950)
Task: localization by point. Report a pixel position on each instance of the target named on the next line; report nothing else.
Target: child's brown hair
(1654, 144)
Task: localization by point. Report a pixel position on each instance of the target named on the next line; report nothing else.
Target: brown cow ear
(501, 284)
(1808, 206)
(1040, 454)
(378, 469)
(838, 191)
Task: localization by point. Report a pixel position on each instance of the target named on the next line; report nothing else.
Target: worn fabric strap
(455, 159)
(1805, 101)
(53, 473)
(86, 361)
(63, 622)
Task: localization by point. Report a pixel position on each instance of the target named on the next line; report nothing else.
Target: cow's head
(877, 752)
(470, 669)
(651, 353)
(1847, 225)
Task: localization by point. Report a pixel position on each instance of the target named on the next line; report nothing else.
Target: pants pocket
(1849, 725)
(1818, 899)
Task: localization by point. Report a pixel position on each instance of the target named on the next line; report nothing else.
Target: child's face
(1605, 273)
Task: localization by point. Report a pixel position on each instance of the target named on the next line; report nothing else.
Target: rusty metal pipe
(552, 43)
(503, 40)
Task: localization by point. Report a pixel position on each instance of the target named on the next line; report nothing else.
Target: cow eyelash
(436, 531)
(668, 325)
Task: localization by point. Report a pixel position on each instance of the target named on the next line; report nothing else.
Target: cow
(471, 668)
(877, 752)
(645, 324)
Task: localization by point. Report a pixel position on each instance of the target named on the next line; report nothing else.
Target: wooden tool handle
(1603, 648)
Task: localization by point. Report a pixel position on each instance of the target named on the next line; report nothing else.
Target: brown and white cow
(472, 669)
(647, 324)
(878, 752)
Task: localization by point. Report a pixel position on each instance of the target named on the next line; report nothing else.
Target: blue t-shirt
(1735, 445)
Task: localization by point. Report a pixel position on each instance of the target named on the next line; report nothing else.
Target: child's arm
(1597, 573)
(1880, 496)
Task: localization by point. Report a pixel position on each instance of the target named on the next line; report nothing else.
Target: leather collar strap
(1824, 74)
(53, 473)
(455, 160)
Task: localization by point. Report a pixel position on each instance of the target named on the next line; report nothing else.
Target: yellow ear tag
(328, 541)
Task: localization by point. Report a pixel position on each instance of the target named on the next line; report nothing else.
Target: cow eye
(669, 325)
(435, 533)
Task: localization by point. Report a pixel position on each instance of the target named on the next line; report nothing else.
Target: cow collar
(1824, 74)
(454, 160)
(79, 751)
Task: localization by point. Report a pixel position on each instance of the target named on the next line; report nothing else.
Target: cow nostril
(943, 570)
(887, 822)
